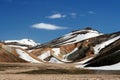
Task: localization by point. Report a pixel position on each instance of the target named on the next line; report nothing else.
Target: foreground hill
(11, 54)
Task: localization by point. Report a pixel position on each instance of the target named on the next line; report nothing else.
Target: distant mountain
(23, 43)
(86, 48)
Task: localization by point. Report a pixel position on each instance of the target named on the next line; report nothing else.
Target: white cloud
(47, 26)
(56, 16)
(91, 12)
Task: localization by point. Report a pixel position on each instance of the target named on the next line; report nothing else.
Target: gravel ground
(28, 71)
(57, 77)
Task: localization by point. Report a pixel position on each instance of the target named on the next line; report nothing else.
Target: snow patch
(23, 47)
(110, 67)
(56, 51)
(98, 47)
(54, 60)
(79, 66)
(80, 37)
(44, 55)
(23, 55)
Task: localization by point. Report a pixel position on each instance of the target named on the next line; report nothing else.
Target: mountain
(23, 43)
(10, 54)
(62, 47)
(72, 37)
(86, 48)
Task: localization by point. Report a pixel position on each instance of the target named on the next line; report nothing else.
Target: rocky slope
(10, 54)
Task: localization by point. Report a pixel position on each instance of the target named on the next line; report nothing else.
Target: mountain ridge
(87, 47)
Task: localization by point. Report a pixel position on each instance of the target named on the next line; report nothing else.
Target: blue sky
(44, 20)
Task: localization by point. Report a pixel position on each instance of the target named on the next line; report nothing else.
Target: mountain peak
(23, 43)
(88, 28)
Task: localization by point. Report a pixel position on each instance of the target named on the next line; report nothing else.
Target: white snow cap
(80, 35)
(24, 41)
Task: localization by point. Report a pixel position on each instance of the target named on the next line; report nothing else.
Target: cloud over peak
(56, 16)
(47, 26)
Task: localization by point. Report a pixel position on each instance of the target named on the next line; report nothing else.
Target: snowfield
(80, 37)
(98, 47)
(44, 55)
(24, 41)
(109, 67)
(23, 55)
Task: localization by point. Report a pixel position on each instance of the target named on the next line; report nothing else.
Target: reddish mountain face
(88, 47)
(11, 54)
(8, 54)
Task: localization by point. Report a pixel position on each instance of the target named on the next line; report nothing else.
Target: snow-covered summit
(75, 36)
(23, 42)
(79, 35)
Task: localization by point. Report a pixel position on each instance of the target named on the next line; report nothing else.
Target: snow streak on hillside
(98, 47)
(81, 35)
(25, 56)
